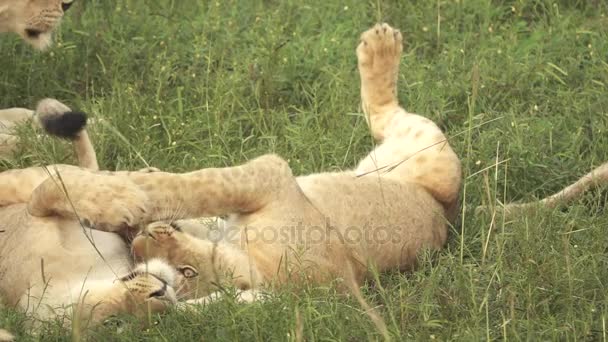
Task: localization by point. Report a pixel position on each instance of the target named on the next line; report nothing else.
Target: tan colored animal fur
(329, 226)
(9, 119)
(325, 226)
(51, 264)
(597, 176)
(5, 336)
(33, 20)
(403, 190)
(12, 117)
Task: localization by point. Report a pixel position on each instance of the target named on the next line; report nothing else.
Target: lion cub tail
(597, 177)
(59, 120)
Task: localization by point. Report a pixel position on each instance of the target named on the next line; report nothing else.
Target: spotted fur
(406, 187)
(51, 262)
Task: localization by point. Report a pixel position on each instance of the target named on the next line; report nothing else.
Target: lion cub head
(192, 258)
(33, 20)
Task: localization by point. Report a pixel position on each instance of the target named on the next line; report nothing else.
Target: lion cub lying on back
(52, 262)
(324, 226)
(66, 215)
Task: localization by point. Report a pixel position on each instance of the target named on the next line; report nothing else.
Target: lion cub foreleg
(102, 201)
(218, 191)
(247, 296)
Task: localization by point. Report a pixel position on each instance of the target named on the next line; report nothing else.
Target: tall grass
(521, 87)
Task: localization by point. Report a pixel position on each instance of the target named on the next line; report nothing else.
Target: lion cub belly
(382, 221)
(93, 253)
(362, 220)
(34, 251)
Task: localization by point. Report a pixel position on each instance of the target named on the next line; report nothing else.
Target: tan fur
(598, 176)
(5, 336)
(85, 153)
(303, 229)
(297, 230)
(9, 119)
(279, 229)
(51, 264)
(25, 17)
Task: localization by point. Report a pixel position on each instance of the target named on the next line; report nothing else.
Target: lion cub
(325, 226)
(33, 20)
(54, 257)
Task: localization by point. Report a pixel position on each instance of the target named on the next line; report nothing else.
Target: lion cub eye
(188, 271)
(66, 4)
(175, 226)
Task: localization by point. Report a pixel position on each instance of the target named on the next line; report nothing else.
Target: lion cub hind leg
(378, 54)
(105, 202)
(16, 186)
(413, 149)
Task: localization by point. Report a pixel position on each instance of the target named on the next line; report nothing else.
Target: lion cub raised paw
(379, 52)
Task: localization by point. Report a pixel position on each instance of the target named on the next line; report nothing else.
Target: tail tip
(59, 120)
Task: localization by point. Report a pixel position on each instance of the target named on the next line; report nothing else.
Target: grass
(521, 86)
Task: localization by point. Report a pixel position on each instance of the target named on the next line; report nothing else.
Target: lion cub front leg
(103, 201)
(243, 297)
(219, 191)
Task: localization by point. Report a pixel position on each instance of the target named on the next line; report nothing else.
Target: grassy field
(520, 86)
